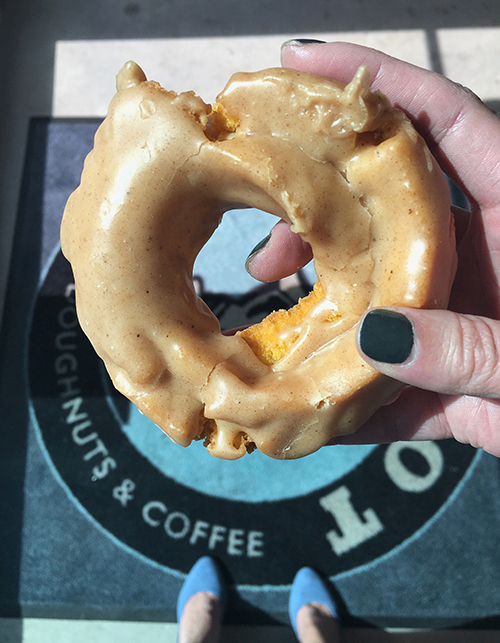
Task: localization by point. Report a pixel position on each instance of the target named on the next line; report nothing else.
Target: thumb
(437, 350)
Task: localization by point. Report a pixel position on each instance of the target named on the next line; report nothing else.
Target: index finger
(462, 133)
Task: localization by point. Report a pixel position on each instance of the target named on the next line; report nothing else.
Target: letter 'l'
(355, 529)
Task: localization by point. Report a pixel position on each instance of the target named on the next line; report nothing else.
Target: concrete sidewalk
(47, 67)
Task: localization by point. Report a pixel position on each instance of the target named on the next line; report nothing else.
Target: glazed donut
(345, 169)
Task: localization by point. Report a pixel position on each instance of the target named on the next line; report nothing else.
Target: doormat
(103, 515)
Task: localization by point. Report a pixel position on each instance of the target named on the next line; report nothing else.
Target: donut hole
(220, 278)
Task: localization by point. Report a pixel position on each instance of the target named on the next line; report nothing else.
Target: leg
(312, 610)
(201, 604)
(201, 619)
(316, 624)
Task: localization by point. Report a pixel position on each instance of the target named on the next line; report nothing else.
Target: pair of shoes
(205, 576)
(308, 587)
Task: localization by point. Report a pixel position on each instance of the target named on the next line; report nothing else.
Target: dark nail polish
(303, 41)
(258, 247)
(386, 336)
(309, 41)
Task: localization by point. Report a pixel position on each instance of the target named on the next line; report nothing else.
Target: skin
(201, 619)
(202, 615)
(455, 363)
(315, 624)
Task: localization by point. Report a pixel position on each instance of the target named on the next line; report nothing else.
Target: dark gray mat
(101, 515)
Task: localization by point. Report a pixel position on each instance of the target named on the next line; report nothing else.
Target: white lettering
(199, 531)
(217, 535)
(354, 529)
(407, 480)
(69, 292)
(63, 340)
(101, 470)
(82, 432)
(83, 439)
(123, 492)
(99, 449)
(74, 406)
(65, 363)
(67, 318)
(177, 525)
(146, 512)
(67, 384)
(235, 542)
(255, 544)
(186, 524)
(79, 436)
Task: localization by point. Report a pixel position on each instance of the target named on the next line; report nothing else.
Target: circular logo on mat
(335, 510)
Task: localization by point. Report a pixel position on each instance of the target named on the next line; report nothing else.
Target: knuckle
(477, 357)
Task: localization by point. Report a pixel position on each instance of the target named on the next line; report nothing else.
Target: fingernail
(386, 336)
(257, 248)
(303, 41)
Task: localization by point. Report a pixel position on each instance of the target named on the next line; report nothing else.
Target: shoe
(308, 587)
(205, 576)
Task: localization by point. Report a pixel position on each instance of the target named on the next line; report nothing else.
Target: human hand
(452, 357)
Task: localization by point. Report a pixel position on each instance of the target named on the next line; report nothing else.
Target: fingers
(279, 255)
(436, 350)
(462, 221)
(283, 252)
(415, 415)
(454, 357)
(424, 415)
(445, 113)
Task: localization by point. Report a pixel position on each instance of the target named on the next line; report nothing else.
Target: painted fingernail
(257, 248)
(303, 41)
(386, 336)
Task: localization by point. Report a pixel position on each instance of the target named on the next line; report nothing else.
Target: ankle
(316, 624)
(201, 619)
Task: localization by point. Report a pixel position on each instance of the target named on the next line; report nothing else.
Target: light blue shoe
(308, 587)
(205, 576)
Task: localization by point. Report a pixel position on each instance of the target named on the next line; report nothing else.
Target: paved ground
(459, 38)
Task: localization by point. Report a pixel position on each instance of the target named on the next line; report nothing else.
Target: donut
(343, 167)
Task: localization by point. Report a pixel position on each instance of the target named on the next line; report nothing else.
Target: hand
(451, 357)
